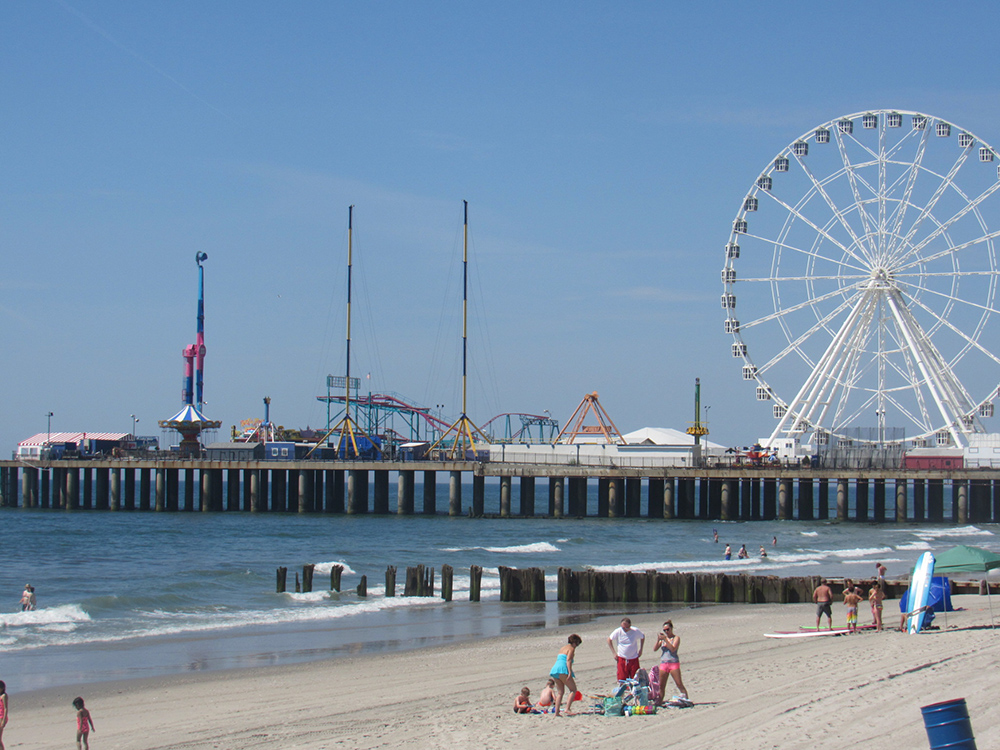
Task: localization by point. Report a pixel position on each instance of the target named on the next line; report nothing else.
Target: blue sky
(604, 150)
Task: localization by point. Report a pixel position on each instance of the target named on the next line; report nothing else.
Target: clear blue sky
(604, 150)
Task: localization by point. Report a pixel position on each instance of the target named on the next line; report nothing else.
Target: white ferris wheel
(860, 284)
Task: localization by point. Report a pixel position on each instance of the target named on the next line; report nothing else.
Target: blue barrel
(948, 725)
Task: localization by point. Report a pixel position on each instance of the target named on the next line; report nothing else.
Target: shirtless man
(823, 596)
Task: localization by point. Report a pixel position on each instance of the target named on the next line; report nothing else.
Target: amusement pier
(355, 487)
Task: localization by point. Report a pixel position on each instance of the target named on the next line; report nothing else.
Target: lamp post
(49, 438)
(134, 420)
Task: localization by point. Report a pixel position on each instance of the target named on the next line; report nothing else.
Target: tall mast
(465, 431)
(465, 301)
(350, 256)
(347, 428)
(200, 340)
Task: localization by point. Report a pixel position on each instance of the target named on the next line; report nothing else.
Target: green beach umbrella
(965, 559)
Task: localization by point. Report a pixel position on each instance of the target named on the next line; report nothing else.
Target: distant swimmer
(743, 554)
(774, 541)
(763, 552)
(28, 598)
(715, 533)
(729, 552)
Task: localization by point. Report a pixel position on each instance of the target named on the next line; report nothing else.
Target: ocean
(126, 594)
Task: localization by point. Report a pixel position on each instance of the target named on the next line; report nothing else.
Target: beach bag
(613, 706)
(654, 684)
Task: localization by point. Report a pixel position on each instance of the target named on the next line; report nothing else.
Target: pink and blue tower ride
(190, 420)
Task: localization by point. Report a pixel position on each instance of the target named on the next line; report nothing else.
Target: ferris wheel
(860, 283)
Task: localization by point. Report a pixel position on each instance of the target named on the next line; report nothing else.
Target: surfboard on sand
(813, 627)
(806, 633)
(920, 590)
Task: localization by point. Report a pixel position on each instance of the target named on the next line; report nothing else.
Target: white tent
(667, 436)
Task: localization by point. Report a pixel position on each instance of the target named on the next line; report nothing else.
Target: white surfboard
(807, 633)
(920, 591)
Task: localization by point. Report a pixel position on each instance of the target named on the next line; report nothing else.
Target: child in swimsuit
(547, 696)
(522, 704)
(851, 600)
(84, 723)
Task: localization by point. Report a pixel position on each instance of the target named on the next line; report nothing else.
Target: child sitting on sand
(548, 695)
(521, 704)
(84, 723)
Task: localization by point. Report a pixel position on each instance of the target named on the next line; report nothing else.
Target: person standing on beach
(880, 575)
(3, 710)
(626, 644)
(670, 663)
(84, 723)
(851, 601)
(562, 672)
(875, 597)
(823, 596)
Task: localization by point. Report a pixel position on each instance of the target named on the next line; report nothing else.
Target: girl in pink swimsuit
(3, 710)
(84, 723)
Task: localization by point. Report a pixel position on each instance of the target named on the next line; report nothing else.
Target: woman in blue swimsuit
(562, 672)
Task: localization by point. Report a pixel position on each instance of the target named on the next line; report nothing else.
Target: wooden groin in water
(629, 587)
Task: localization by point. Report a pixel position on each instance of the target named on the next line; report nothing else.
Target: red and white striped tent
(33, 445)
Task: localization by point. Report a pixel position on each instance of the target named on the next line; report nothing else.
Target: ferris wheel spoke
(912, 172)
(971, 341)
(778, 314)
(821, 231)
(852, 179)
(932, 202)
(808, 253)
(912, 376)
(818, 187)
(970, 244)
(944, 274)
(813, 399)
(796, 344)
(946, 225)
(782, 279)
(950, 297)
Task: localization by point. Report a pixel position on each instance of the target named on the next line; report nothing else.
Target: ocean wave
(850, 554)
(190, 625)
(920, 546)
(517, 549)
(324, 568)
(69, 614)
(932, 534)
(809, 533)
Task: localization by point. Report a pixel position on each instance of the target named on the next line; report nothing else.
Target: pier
(731, 493)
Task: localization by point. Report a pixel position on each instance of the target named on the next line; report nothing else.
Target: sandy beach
(750, 692)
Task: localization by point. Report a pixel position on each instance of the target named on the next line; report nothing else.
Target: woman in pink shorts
(670, 663)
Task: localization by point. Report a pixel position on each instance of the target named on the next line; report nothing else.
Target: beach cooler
(948, 726)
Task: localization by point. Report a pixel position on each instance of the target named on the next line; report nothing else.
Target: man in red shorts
(626, 644)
